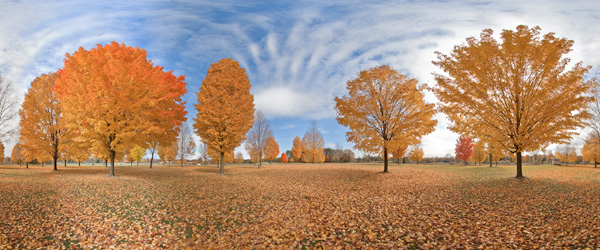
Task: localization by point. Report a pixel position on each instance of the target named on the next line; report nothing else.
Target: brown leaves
(296, 206)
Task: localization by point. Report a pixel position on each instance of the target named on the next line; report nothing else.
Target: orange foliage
(225, 107)
(284, 158)
(383, 110)
(271, 149)
(42, 131)
(112, 94)
(517, 93)
(297, 148)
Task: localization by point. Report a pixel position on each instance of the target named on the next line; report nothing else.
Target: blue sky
(298, 54)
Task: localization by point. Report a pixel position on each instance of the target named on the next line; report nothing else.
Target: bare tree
(8, 110)
(203, 150)
(313, 142)
(257, 136)
(185, 142)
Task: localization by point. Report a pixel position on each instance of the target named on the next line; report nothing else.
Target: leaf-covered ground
(300, 206)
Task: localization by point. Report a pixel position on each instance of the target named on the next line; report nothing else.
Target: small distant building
(556, 161)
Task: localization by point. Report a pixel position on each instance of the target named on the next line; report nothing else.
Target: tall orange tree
(479, 153)
(112, 94)
(17, 155)
(225, 108)
(384, 109)
(297, 149)
(516, 93)
(271, 149)
(42, 131)
(591, 149)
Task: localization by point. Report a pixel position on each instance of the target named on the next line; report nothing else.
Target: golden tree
(257, 136)
(168, 153)
(495, 153)
(42, 131)
(225, 108)
(399, 152)
(271, 149)
(415, 154)
(312, 143)
(229, 157)
(479, 153)
(137, 153)
(516, 93)
(591, 149)
(17, 156)
(112, 94)
(383, 110)
(297, 149)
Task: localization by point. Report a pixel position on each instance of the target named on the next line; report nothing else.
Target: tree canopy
(516, 93)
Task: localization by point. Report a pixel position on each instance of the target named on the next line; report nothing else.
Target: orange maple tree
(1, 152)
(464, 148)
(517, 93)
(399, 152)
(479, 153)
(271, 149)
(42, 131)
(284, 158)
(591, 149)
(112, 94)
(17, 155)
(297, 149)
(384, 109)
(225, 108)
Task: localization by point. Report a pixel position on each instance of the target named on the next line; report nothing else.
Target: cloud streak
(298, 55)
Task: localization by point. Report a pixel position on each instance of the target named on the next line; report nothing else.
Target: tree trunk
(151, 158)
(106, 163)
(385, 160)
(27, 165)
(398, 161)
(595, 164)
(112, 163)
(259, 160)
(466, 163)
(138, 163)
(519, 166)
(222, 163)
(55, 162)
(182, 161)
(79, 163)
(65, 163)
(490, 158)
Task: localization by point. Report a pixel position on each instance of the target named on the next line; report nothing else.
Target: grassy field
(300, 206)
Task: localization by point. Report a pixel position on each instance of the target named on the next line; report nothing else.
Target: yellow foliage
(384, 109)
(416, 154)
(479, 153)
(239, 158)
(516, 93)
(313, 143)
(225, 107)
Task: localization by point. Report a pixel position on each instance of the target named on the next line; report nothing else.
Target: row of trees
(515, 96)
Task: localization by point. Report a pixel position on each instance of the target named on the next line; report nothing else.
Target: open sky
(298, 54)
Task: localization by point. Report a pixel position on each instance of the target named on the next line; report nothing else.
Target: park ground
(300, 206)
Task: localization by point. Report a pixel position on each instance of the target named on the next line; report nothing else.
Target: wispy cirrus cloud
(298, 55)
